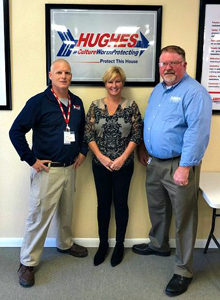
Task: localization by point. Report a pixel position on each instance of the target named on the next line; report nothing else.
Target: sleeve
(24, 123)
(198, 117)
(89, 135)
(82, 144)
(137, 124)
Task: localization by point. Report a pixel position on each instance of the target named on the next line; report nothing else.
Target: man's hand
(79, 160)
(39, 165)
(181, 175)
(142, 154)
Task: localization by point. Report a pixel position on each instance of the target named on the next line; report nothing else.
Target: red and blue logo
(96, 42)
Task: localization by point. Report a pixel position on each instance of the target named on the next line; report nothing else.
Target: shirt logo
(175, 99)
(76, 107)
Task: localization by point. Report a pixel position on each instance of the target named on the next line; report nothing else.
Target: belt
(58, 164)
(164, 159)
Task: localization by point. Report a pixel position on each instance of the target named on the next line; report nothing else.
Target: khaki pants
(165, 197)
(50, 192)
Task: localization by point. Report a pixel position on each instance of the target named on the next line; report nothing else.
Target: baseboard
(94, 242)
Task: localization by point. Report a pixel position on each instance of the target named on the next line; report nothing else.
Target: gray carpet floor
(60, 276)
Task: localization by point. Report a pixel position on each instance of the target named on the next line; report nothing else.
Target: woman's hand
(105, 161)
(118, 163)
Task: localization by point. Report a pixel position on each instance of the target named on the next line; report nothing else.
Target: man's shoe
(144, 249)
(75, 250)
(177, 285)
(117, 255)
(26, 276)
(101, 254)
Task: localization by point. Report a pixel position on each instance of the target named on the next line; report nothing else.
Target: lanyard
(66, 119)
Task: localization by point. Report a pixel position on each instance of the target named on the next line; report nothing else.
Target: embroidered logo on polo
(175, 99)
(76, 107)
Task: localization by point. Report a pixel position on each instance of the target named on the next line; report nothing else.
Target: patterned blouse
(112, 133)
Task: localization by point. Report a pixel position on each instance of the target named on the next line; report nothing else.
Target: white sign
(92, 40)
(5, 84)
(211, 54)
(3, 98)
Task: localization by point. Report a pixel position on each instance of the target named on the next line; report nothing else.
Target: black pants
(112, 186)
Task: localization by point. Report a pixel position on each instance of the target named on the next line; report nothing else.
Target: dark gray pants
(165, 197)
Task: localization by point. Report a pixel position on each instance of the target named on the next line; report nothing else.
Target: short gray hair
(175, 49)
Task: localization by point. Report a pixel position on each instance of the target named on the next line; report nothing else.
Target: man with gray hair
(56, 117)
(176, 134)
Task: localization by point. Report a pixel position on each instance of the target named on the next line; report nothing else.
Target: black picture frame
(5, 103)
(49, 8)
(201, 46)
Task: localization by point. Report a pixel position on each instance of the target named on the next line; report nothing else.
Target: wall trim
(94, 242)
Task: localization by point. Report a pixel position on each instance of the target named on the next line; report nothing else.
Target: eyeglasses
(171, 63)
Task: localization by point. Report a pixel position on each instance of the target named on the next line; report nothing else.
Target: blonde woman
(113, 130)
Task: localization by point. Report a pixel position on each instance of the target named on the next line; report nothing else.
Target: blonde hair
(112, 72)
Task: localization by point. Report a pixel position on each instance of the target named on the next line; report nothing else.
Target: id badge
(69, 137)
(149, 160)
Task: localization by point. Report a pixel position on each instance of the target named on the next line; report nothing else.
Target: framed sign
(208, 56)
(94, 37)
(5, 74)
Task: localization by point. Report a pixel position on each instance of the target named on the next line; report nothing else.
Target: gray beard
(170, 78)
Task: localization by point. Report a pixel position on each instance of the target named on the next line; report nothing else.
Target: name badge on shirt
(69, 137)
(149, 160)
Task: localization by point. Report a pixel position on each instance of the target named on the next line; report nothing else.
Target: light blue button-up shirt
(177, 121)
